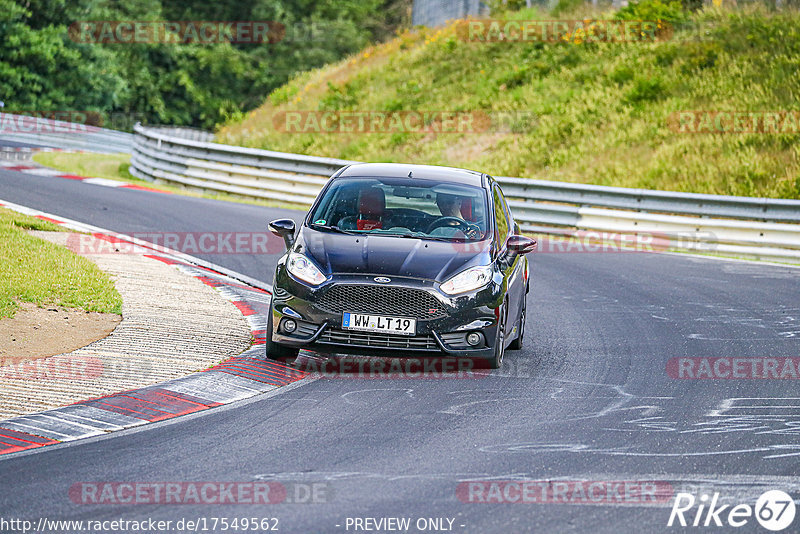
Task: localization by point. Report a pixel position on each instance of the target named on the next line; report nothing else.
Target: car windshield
(406, 207)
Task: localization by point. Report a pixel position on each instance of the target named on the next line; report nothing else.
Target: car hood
(390, 256)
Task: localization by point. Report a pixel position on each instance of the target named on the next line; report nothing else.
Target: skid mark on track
(629, 413)
(776, 451)
(393, 477)
(617, 398)
(409, 393)
(761, 271)
(778, 322)
(778, 416)
(754, 415)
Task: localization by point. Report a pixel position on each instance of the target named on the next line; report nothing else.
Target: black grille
(382, 300)
(335, 336)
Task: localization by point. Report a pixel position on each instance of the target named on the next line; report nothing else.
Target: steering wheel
(469, 230)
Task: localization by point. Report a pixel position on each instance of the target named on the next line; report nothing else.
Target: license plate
(379, 323)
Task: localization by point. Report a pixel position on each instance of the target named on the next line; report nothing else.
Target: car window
(502, 226)
(403, 206)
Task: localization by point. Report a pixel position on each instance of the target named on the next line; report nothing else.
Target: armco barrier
(222, 168)
(743, 226)
(61, 134)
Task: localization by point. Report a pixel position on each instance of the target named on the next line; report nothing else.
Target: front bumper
(319, 329)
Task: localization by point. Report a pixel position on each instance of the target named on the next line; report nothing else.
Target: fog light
(474, 339)
(289, 325)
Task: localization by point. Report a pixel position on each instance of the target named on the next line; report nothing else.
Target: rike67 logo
(774, 510)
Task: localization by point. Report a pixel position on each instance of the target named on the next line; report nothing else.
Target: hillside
(603, 113)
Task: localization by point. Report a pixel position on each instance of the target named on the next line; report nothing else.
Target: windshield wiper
(332, 229)
(441, 238)
(416, 236)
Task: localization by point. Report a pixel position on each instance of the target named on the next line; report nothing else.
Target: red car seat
(371, 206)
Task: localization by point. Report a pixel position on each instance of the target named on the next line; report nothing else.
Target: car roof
(400, 170)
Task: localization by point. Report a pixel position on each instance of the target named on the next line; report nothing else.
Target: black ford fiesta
(402, 260)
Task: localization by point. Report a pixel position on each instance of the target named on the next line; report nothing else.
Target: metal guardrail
(763, 209)
(65, 135)
(754, 227)
(248, 172)
(184, 132)
(437, 12)
(15, 153)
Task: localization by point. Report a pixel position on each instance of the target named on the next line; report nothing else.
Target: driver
(449, 205)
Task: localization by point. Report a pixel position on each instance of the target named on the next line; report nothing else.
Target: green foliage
(339, 97)
(671, 11)
(600, 110)
(621, 74)
(516, 76)
(700, 55)
(646, 89)
(567, 6)
(42, 69)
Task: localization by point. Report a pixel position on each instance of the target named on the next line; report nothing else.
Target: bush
(645, 90)
(567, 6)
(671, 11)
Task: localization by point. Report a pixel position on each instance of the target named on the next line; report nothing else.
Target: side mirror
(519, 244)
(283, 228)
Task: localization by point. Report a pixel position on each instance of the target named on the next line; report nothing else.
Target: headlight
(468, 280)
(304, 269)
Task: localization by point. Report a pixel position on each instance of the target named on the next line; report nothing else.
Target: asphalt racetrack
(588, 398)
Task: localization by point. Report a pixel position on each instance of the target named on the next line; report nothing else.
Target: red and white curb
(38, 170)
(234, 379)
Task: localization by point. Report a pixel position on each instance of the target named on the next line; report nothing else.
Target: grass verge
(36, 271)
(109, 166)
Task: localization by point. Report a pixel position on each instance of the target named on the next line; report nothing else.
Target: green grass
(110, 166)
(601, 108)
(115, 167)
(37, 271)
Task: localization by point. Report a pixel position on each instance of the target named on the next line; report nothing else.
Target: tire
(496, 360)
(276, 351)
(517, 343)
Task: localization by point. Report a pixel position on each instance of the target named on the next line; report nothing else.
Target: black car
(402, 260)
